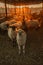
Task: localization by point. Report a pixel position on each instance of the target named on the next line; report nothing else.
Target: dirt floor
(34, 49)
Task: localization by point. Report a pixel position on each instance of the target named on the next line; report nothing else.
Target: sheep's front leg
(19, 49)
(13, 43)
(24, 49)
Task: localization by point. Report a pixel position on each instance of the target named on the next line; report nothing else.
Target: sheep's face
(13, 27)
(7, 26)
(19, 31)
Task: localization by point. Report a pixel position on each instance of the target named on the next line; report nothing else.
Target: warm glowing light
(35, 5)
(21, 6)
(8, 5)
(20, 10)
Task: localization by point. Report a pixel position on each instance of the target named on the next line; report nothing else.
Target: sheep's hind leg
(24, 49)
(19, 50)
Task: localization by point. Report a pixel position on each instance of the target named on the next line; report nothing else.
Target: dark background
(22, 1)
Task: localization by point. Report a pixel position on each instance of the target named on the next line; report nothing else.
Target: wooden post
(5, 9)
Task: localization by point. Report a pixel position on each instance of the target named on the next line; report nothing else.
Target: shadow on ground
(34, 49)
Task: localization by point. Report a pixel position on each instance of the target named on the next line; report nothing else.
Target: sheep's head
(13, 27)
(19, 31)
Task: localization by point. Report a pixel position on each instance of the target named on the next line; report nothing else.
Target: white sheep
(21, 39)
(10, 30)
(12, 34)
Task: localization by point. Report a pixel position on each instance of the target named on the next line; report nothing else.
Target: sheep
(21, 39)
(3, 26)
(12, 34)
(33, 24)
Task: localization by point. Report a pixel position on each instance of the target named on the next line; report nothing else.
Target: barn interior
(12, 11)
